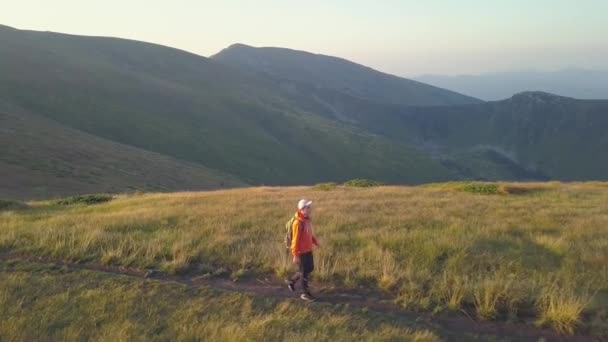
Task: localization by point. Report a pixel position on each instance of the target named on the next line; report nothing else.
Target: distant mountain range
(87, 114)
(577, 83)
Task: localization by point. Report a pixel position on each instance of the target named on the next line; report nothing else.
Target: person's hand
(296, 259)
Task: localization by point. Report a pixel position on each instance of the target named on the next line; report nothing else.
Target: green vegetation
(481, 188)
(536, 254)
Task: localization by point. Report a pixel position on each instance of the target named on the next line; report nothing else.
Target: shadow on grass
(492, 253)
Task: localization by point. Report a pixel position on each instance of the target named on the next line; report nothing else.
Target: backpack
(288, 234)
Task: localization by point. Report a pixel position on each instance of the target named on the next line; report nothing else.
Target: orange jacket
(302, 237)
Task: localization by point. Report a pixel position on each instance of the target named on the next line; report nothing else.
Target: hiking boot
(307, 297)
(291, 286)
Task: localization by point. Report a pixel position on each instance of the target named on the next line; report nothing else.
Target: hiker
(300, 244)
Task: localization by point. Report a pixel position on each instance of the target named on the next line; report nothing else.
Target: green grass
(481, 188)
(537, 252)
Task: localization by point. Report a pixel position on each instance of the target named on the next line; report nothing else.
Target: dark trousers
(305, 267)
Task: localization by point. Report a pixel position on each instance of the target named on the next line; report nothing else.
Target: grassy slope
(41, 159)
(539, 252)
(192, 108)
(338, 74)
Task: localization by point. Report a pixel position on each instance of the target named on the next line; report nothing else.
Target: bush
(10, 205)
(325, 186)
(84, 199)
(482, 188)
(362, 183)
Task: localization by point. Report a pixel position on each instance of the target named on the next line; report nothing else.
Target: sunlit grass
(431, 246)
(41, 304)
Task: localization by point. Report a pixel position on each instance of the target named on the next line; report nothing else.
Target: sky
(407, 38)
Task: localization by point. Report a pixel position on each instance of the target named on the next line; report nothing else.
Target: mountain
(530, 136)
(88, 114)
(550, 136)
(193, 109)
(577, 83)
(338, 74)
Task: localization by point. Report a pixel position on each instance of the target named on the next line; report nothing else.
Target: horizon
(494, 72)
(402, 38)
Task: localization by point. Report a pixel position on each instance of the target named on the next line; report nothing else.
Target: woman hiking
(302, 241)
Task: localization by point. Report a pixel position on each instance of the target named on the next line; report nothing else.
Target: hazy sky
(402, 37)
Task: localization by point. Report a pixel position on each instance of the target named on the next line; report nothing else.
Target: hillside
(504, 258)
(338, 74)
(41, 159)
(195, 109)
(554, 136)
(530, 136)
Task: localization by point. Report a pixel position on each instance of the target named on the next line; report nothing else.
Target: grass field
(534, 252)
(66, 305)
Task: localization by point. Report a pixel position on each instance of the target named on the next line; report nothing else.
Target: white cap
(304, 203)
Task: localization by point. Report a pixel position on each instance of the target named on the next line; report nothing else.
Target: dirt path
(452, 324)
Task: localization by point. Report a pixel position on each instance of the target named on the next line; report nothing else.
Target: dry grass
(489, 295)
(431, 246)
(38, 303)
(562, 308)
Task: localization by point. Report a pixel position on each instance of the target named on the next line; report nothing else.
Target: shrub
(84, 199)
(362, 183)
(482, 188)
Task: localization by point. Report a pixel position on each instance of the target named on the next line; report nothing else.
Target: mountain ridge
(338, 74)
